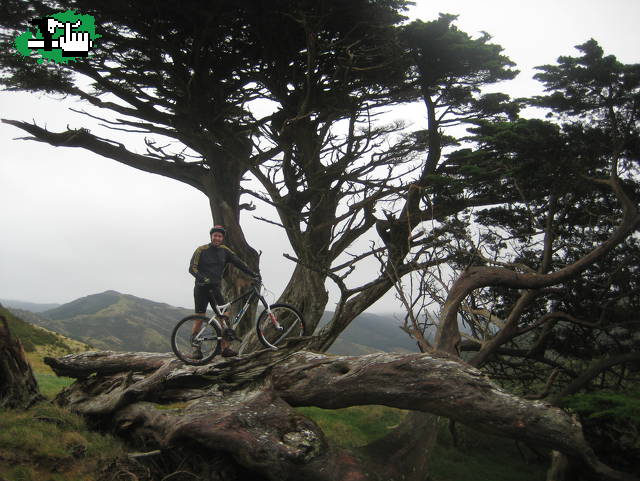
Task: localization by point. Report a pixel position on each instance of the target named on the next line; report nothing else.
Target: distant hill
(111, 320)
(27, 306)
(122, 322)
(88, 305)
(370, 333)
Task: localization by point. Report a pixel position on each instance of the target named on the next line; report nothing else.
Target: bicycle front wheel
(283, 322)
(194, 341)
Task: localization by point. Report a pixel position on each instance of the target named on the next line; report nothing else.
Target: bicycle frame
(250, 295)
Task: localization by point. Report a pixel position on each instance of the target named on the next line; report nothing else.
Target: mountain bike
(196, 339)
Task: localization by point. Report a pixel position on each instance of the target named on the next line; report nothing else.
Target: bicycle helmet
(218, 228)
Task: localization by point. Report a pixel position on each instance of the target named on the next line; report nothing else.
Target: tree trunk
(407, 449)
(558, 467)
(18, 386)
(306, 291)
(222, 186)
(243, 407)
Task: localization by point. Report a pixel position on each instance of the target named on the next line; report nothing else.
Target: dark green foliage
(607, 295)
(548, 174)
(199, 60)
(589, 85)
(611, 422)
(610, 405)
(602, 93)
(442, 53)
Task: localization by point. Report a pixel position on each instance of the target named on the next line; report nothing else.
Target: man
(207, 266)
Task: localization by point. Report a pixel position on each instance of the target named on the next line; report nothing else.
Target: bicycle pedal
(230, 335)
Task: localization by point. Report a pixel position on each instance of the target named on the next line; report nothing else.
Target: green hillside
(115, 321)
(370, 333)
(88, 305)
(38, 343)
(36, 339)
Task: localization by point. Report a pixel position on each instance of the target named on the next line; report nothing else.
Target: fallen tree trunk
(244, 406)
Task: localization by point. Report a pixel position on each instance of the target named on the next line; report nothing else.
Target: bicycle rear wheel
(284, 322)
(199, 348)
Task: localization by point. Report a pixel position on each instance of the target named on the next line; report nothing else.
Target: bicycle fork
(272, 317)
(274, 321)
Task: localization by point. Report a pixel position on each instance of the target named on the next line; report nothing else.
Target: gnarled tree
(545, 285)
(292, 93)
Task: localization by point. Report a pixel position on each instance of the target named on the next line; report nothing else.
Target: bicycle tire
(290, 320)
(184, 348)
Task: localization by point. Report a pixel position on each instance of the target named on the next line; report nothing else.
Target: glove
(205, 281)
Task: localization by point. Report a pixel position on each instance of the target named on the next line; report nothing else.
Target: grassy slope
(40, 343)
(479, 457)
(49, 443)
(482, 457)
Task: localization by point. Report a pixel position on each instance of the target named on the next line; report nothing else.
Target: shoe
(229, 335)
(228, 352)
(196, 353)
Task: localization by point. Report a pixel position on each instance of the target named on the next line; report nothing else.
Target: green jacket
(209, 261)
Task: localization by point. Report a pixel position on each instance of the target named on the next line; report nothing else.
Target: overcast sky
(74, 224)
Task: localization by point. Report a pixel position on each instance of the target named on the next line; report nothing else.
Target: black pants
(207, 294)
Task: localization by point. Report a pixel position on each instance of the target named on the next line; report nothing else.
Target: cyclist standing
(207, 266)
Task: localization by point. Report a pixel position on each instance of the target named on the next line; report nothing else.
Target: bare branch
(188, 173)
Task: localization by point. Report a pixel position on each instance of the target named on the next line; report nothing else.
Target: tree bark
(244, 407)
(306, 290)
(18, 386)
